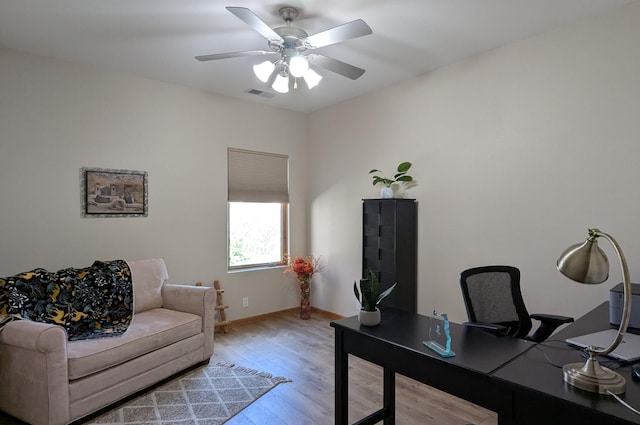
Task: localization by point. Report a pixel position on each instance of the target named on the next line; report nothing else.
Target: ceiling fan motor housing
(292, 38)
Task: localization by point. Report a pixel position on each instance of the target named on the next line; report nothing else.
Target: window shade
(257, 176)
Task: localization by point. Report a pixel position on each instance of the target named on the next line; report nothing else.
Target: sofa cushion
(149, 331)
(148, 277)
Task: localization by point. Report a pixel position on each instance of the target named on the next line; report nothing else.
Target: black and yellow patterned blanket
(92, 302)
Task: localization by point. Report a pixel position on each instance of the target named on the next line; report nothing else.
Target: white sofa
(47, 380)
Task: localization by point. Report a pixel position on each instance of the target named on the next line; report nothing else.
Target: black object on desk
(396, 345)
(540, 395)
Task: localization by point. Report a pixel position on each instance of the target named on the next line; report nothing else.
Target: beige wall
(57, 117)
(517, 152)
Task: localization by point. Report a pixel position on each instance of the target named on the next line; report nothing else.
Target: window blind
(257, 176)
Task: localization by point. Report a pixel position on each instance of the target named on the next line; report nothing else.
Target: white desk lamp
(587, 263)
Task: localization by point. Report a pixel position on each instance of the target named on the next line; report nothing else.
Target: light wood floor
(302, 350)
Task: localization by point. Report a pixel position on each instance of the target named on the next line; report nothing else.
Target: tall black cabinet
(389, 245)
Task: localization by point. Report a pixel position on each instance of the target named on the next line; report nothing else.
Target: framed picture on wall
(113, 193)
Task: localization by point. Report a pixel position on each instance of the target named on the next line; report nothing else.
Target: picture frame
(114, 193)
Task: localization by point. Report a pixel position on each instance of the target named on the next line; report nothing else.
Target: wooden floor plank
(303, 350)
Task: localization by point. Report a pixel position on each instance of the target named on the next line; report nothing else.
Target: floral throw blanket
(92, 302)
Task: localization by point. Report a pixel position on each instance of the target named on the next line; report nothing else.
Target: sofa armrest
(198, 300)
(33, 367)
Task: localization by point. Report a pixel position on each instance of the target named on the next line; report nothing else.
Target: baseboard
(328, 314)
(261, 317)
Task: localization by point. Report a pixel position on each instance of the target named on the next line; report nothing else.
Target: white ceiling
(158, 39)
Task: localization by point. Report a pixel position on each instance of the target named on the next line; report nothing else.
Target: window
(258, 199)
(256, 234)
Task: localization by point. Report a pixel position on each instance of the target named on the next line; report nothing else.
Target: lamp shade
(584, 263)
(298, 66)
(263, 70)
(312, 78)
(281, 84)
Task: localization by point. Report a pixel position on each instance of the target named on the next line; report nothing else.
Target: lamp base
(599, 380)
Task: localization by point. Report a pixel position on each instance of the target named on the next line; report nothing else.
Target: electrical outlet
(245, 302)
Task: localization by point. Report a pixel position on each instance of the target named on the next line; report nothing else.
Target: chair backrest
(492, 295)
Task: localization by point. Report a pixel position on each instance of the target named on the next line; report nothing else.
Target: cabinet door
(389, 248)
(370, 238)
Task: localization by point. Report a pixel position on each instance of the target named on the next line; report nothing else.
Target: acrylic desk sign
(439, 335)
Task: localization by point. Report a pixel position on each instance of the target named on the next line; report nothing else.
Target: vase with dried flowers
(304, 269)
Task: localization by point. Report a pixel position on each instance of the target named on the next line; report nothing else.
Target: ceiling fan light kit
(298, 66)
(294, 46)
(278, 73)
(281, 83)
(312, 78)
(264, 70)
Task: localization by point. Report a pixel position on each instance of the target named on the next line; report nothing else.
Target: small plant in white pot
(369, 296)
(400, 176)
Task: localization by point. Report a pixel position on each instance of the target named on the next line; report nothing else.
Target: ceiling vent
(261, 93)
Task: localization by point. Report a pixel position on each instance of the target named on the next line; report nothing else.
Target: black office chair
(494, 303)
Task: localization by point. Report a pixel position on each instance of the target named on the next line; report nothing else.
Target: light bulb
(281, 84)
(264, 70)
(298, 66)
(312, 78)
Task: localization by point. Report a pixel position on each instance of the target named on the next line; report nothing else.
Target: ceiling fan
(295, 48)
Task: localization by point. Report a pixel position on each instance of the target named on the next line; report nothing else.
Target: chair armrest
(198, 300)
(551, 318)
(489, 327)
(548, 324)
(33, 366)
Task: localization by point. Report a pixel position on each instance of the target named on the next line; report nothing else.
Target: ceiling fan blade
(339, 67)
(228, 55)
(254, 22)
(353, 29)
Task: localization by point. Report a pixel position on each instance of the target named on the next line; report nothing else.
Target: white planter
(386, 193)
(369, 318)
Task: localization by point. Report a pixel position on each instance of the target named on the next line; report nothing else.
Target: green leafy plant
(400, 176)
(370, 290)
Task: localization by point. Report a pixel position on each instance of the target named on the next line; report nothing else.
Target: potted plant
(369, 296)
(400, 176)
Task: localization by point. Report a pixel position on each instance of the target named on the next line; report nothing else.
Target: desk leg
(341, 381)
(389, 396)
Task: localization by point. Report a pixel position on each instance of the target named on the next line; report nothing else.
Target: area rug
(209, 395)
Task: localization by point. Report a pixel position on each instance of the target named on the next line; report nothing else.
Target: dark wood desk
(396, 345)
(541, 396)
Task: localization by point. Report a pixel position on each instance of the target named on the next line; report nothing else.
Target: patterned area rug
(210, 395)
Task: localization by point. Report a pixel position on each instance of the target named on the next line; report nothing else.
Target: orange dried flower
(304, 268)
